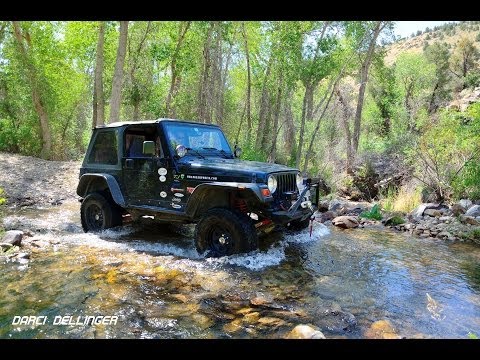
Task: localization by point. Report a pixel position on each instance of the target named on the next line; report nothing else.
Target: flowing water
(153, 280)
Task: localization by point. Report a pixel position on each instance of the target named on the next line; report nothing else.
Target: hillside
(449, 33)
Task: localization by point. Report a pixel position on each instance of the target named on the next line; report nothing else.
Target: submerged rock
(346, 222)
(305, 332)
(13, 237)
(381, 329)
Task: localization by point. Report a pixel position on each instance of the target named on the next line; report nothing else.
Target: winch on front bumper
(297, 207)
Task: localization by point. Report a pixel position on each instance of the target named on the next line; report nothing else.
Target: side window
(134, 145)
(104, 150)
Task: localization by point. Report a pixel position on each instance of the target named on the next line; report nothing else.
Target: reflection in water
(153, 279)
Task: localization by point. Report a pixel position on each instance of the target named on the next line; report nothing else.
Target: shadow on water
(152, 278)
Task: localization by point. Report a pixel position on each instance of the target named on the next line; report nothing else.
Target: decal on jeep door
(162, 178)
(162, 171)
(201, 177)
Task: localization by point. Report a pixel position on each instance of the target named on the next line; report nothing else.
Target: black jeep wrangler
(182, 171)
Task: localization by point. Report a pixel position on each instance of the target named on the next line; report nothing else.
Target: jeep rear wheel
(97, 213)
(223, 232)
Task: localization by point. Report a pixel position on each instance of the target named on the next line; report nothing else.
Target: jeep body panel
(183, 189)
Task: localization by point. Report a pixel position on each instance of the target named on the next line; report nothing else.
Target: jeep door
(140, 171)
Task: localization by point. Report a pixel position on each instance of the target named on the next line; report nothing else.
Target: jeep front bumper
(302, 209)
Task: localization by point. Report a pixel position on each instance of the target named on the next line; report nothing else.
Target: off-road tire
(237, 230)
(97, 213)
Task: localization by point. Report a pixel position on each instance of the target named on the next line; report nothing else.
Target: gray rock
(432, 212)
(336, 205)
(465, 203)
(445, 218)
(346, 222)
(418, 212)
(23, 255)
(473, 211)
(464, 219)
(13, 237)
(445, 235)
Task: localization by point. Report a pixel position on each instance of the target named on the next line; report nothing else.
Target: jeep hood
(227, 166)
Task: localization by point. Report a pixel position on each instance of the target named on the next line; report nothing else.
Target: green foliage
(472, 235)
(472, 79)
(447, 157)
(373, 214)
(2, 199)
(396, 220)
(472, 336)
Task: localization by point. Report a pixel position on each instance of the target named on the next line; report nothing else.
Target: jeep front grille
(286, 182)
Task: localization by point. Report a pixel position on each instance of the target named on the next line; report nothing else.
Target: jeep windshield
(200, 140)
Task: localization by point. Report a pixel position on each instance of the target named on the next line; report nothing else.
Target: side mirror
(181, 151)
(149, 148)
(237, 152)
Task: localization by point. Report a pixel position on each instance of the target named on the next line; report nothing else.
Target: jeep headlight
(272, 183)
(300, 182)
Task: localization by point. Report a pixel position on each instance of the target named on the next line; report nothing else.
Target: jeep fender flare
(198, 196)
(87, 181)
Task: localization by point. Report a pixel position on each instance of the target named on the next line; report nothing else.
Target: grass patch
(404, 200)
(473, 235)
(373, 214)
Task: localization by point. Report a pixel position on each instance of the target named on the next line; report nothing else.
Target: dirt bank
(29, 181)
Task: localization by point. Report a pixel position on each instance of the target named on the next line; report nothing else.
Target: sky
(406, 28)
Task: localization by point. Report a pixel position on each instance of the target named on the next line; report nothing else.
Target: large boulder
(419, 211)
(13, 237)
(346, 222)
(305, 332)
(473, 211)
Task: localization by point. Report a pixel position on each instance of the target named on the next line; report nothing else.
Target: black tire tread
(243, 230)
(111, 211)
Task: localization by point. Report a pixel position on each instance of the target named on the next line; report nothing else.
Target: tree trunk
(273, 149)
(45, 134)
(204, 78)
(363, 84)
(308, 92)
(289, 133)
(331, 86)
(432, 107)
(137, 99)
(116, 97)
(98, 96)
(249, 82)
(346, 127)
(182, 31)
(263, 107)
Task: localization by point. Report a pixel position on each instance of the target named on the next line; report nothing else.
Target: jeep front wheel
(223, 232)
(97, 213)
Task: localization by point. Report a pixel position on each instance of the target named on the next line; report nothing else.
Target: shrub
(447, 155)
(373, 214)
(403, 200)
